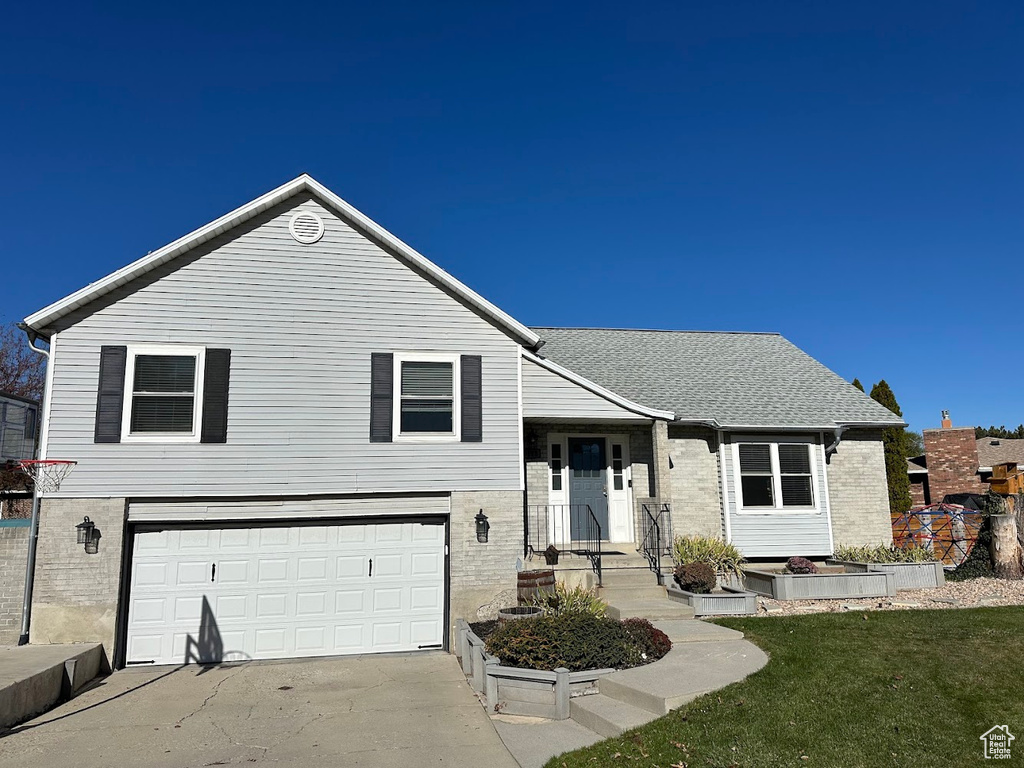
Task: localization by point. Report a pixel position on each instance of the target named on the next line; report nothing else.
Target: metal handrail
(572, 529)
(652, 543)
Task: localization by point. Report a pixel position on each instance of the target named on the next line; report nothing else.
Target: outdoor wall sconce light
(85, 529)
(482, 527)
(89, 536)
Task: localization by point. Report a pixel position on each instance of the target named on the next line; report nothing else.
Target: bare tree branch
(22, 371)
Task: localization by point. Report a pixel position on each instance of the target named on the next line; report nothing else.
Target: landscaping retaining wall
(729, 602)
(517, 691)
(820, 586)
(908, 575)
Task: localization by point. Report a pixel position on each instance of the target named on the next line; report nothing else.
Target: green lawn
(842, 690)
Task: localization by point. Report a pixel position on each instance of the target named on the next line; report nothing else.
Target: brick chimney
(952, 455)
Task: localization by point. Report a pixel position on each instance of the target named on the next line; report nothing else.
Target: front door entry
(588, 470)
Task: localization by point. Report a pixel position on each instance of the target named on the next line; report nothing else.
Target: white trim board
(40, 320)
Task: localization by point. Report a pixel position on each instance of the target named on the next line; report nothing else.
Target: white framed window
(427, 397)
(776, 475)
(163, 397)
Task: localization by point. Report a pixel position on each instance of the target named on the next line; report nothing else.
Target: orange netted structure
(949, 530)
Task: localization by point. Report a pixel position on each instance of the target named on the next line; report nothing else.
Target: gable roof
(734, 380)
(39, 321)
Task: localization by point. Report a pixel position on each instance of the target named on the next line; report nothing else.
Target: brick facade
(482, 573)
(695, 481)
(952, 462)
(858, 492)
(75, 595)
(13, 551)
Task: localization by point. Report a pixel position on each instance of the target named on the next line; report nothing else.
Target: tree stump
(1006, 551)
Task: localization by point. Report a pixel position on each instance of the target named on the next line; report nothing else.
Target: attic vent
(306, 227)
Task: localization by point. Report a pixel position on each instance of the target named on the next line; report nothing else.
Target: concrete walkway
(385, 710)
(704, 658)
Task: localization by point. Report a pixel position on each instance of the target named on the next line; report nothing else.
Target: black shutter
(472, 401)
(382, 367)
(215, 396)
(110, 394)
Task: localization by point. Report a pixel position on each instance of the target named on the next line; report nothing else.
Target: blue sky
(848, 176)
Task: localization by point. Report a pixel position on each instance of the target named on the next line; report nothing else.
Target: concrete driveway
(404, 710)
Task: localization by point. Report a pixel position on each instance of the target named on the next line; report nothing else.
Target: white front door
(272, 592)
(618, 486)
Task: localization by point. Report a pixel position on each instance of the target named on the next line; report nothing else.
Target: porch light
(84, 530)
(92, 546)
(482, 527)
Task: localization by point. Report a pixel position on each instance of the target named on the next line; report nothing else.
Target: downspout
(33, 537)
(829, 450)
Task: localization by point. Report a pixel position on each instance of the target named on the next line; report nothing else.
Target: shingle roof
(999, 450)
(736, 379)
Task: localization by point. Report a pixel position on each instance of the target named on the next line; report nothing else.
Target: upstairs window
(428, 397)
(776, 475)
(163, 394)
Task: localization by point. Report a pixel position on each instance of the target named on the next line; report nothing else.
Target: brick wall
(919, 490)
(483, 574)
(695, 481)
(75, 595)
(13, 551)
(952, 462)
(858, 493)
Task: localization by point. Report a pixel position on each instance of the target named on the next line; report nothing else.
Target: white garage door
(230, 594)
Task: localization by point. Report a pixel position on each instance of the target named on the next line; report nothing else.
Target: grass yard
(844, 690)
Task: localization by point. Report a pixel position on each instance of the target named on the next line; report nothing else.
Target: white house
(297, 436)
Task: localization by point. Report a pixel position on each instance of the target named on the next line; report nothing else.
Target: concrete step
(689, 670)
(628, 577)
(34, 678)
(617, 593)
(607, 716)
(650, 609)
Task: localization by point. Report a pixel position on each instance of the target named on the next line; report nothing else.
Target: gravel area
(975, 593)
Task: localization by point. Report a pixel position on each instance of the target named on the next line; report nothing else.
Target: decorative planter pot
(928, 575)
(820, 586)
(729, 602)
(520, 612)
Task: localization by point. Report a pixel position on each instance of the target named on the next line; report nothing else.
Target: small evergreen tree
(858, 385)
(895, 443)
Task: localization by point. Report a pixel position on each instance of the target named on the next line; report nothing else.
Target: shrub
(571, 601)
(695, 577)
(979, 561)
(648, 643)
(573, 641)
(577, 642)
(800, 565)
(722, 557)
(884, 554)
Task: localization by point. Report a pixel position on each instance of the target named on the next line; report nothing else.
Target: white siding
(547, 395)
(301, 322)
(778, 534)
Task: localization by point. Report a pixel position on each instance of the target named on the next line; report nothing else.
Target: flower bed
(820, 586)
(519, 691)
(730, 601)
(927, 575)
(552, 659)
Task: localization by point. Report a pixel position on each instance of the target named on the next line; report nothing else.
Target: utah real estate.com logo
(997, 742)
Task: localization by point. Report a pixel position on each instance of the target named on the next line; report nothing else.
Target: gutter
(33, 538)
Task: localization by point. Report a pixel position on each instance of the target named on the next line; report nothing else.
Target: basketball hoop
(47, 474)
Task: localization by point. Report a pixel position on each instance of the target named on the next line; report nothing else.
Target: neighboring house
(297, 436)
(19, 417)
(955, 462)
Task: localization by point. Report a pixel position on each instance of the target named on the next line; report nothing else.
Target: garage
(234, 592)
